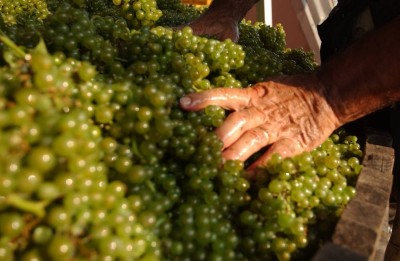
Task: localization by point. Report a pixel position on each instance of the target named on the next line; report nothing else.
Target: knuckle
(239, 117)
(260, 114)
(260, 90)
(258, 135)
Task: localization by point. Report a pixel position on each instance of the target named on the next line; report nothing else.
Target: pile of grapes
(98, 161)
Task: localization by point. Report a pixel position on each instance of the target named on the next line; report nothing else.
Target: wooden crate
(362, 233)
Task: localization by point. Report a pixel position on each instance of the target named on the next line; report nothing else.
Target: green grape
(6, 249)
(41, 159)
(42, 234)
(32, 254)
(61, 248)
(233, 165)
(137, 174)
(28, 180)
(12, 224)
(275, 186)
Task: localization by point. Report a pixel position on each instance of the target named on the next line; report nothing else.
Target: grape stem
(151, 186)
(120, 59)
(37, 208)
(135, 150)
(160, 221)
(8, 42)
(197, 89)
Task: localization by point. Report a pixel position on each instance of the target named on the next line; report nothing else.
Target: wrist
(365, 76)
(325, 106)
(350, 98)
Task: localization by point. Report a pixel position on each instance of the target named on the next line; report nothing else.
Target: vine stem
(35, 207)
(7, 41)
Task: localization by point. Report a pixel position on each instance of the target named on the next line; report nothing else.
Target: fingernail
(185, 101)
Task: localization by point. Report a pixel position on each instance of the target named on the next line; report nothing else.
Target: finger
(227, 98)
(248, 144)
(284, 147)
(237, 123)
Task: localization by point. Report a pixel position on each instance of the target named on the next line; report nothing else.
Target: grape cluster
(57, 199)
(99, 162)
(266, 54)
(195, 63)
(139, 13)
(175, 13)
(299, 199)
(297, 61)
(10, 10)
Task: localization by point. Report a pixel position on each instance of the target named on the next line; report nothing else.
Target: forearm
(366, 76)
(235, 9)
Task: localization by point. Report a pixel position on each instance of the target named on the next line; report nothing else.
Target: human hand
(219, 27)
(289, 114)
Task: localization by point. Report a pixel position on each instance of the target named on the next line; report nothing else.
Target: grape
(12, 224)
(61, 248)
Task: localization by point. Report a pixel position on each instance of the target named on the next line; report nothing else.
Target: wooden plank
(359, 227)
(384, 239)
(333, 252)
(379, 157)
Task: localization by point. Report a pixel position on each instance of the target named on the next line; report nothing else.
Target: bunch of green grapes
(266, 54)
(219, 57)
(139, 13)
(24, 32)
(87, 30)
(58, 201)
(136, 13)
(273, 38)
(10, 10)
(297, 199)
(297, 61)
(69, 30)
(96, 32)
(175, 13)
(108, 166)
(196, 63)
(90, 33)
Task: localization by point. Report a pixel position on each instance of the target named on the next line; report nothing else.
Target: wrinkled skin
(288, 114)
(220, 28)
(221, 20)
